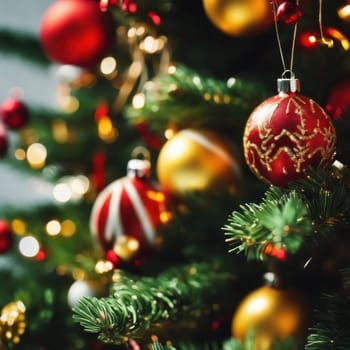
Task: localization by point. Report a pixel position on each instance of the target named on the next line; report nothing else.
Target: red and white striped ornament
(129, 207)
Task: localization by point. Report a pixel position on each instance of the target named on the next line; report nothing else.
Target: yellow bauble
(271, 314)
(240, 18)
(198, 160)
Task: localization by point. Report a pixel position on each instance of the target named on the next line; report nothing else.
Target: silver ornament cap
(139, 168)
(290, 84)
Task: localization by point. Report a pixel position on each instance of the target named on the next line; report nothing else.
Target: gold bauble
(271, 314)
(240, 18)
(198, 160)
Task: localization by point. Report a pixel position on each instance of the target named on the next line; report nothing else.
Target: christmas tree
(197, 185)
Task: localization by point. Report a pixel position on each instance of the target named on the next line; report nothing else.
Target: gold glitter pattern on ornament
(286, 134)
(13, 322)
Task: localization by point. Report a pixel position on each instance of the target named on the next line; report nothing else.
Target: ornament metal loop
(141, 152)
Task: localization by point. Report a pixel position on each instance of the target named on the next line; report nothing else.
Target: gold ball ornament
(272, 314)
(240, 18)
(198, 161)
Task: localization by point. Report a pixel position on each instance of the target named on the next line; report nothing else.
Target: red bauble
(288, 12)
(76, 32)
(285, 135)
(5, 236)
(128, 212)
(338, 103)
(4, 145)
(14, 113)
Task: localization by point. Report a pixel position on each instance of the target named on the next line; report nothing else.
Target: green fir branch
(281, 219)
(191, 99)
(135, 305)
(159, 346)
(311, 207)
(331, 329)
(24, 45)
(326, 193)
(346, 277)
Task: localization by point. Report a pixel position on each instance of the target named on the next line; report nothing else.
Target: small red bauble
(287, 134)
(288, 12)
(338, 102)
(14, 113)
(4, 145)
(5, 236)
(76, 32)
(127, 213)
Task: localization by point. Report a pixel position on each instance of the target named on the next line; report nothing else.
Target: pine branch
(159, 346)
(281, 220)
(346, 278)
(135, 305)
(287, 218)
(331, 331)
(24, 45)
(191, 99)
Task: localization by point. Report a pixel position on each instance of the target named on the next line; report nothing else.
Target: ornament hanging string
(295, 29)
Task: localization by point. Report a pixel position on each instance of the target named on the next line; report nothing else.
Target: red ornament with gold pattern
(286, 134)
(127, 213)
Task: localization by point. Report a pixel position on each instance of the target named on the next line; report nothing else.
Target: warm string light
(344, 12)
(71, 188)
(143, 42)
(105, 127)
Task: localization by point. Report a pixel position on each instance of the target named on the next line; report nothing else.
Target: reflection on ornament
(240, 18)
(286, 134)
(288, 12)
(198, 160)
(13, 322)
(272, 314)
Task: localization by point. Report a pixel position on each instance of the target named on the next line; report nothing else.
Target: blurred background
(34, 84)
